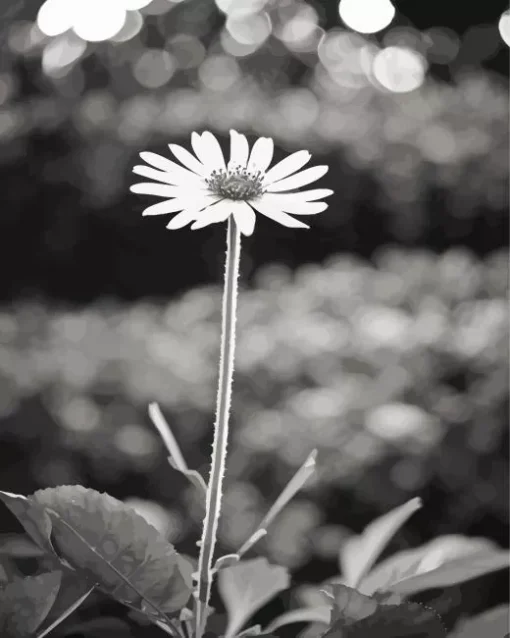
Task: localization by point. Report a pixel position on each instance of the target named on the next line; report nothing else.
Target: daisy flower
(205, 189)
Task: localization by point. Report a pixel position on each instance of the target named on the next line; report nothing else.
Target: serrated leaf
(320, 614)
(445, 561)
(109, 545)
(491, 624)
(358, 616)
(25, 603)
(359, 553)
(246, 587)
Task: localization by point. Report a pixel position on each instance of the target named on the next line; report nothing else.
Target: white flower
(206, 190)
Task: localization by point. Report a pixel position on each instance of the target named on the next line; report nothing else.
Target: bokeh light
(399, 69)
(366, 16)
(504, 27)
(154, 68)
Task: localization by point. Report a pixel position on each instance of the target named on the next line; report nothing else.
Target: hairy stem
(219, 452)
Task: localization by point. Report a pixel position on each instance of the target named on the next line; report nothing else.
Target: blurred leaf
(247, 586)
(311, 614)
(25, 603)
(491, 624)
(290, 490)
(445, 561)
(358, 554)
(110, 546)
(359, 616)
(19, 546)
(72, 593)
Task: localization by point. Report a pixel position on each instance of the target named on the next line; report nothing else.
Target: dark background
(390, 309)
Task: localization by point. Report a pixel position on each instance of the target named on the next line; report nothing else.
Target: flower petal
(239, 149)
(261, 154)
(212, 153)
(277, 215)
(300, 179)
(218, 212)
(182, 219)
(290, 204)
(160, 190)
(161, 176)
(312, 195)
(244, 217)
(184, 201)
(189, 161)
(287, 166)
(198, 147)
(176, 173)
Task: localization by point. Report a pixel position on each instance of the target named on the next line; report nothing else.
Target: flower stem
(219, 452)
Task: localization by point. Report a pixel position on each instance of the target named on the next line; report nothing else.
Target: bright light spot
(154, 68)
(300, 27)
(366, 16)
(62, 52)
(97, 20)
(250, 29)
(237, 8)
(504, 27)
(56, 16)
(346, 56)
(132, 26)
(219, 72)
(187, 50)
(399, 70)
(233, 47)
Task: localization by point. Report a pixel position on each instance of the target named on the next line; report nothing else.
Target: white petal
(180, 203)
(312, 195)
(186, 158)
(182, 219)
(287, 166)
(161, 190)
(159, 176)
(261, 154)
(300, 179)
(277, 215)
(244, 217)
(166, 165)
(239, 149)
(212, 153)
(199, 147)
(291, 204)
(216, 213)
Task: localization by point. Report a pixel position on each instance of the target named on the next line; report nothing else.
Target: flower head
(205, 190)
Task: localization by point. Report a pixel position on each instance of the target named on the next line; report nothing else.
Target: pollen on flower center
(236, 183)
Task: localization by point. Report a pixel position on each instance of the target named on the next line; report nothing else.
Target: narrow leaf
(359, 553)
(445, 561)
(305, 614)
(491, 624)
(226, 561)
(176, 459)
(33, 518)
(246, 587)
(292, 488)
(25, 603)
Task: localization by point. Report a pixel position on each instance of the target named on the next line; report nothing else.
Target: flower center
(236, 183)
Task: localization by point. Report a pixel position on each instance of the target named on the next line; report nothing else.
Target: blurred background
(379, 336)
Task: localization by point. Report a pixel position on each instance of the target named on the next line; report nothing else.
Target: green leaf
(109, 545)
(491, 624)
(246, 587)
(445, 561)
(358, 616)
(19, 546)
(25, 603)
(305, 614)
(359, 553)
